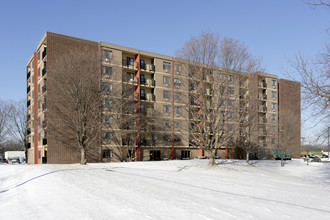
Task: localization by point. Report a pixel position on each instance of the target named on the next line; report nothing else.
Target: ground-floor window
(106, 154)
(185, 154)
(155, 155)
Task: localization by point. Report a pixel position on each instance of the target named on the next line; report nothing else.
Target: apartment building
(161, 105)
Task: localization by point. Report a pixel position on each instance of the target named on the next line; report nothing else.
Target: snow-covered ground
(166, 190)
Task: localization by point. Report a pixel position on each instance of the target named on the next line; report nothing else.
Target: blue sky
(274, 30)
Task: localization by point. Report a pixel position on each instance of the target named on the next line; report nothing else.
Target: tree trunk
(212, 158)
(247, 156)
(83, 160)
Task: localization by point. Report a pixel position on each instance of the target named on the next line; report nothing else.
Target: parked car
(315, 159)
(3, 160)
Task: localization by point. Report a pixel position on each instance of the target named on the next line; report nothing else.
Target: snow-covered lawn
(166, 190)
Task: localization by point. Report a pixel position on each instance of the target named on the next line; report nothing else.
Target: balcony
(262, 85)
(28, 146)
(149, 83)
(262, 109)
(43, 72)
(28, 131)
(262, 97)
(28, 117)
(44, 106)
(44, 89)
(148, 98)
(131, 81)
(262, 133)
(44, 141)
(148, 68)
(44, 124)
(44, 53)
(28, 103)
(28, 75)
(262, 120)
(28, 89)
(128, 63)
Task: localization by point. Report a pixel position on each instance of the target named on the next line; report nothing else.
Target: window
(222, 76)
(142, 79)
(167, 66)
(274, 95)
(274, 83)
(177, 82)
(166, 109)
(107, 136)
(107, 119)
(177, 139)
(185, 154)
(177, 110)
(106, 53)
(38, 71)
(106, 154)
(177, 125)
(230, 115)
(142, 94)
(106, 88)
(166, 94)
(130, 77)
(274, 106)
(177, 68)
(274, 129)
(231, 78)
(106, 103)
(166, 80)
(142, 108)
(230, 102)
(106, 71)
(231, 90)
(167, 124)
(142, 64)
(222, 89)
(130, 61)
(274, 140)
(177, 96)
(273, 117)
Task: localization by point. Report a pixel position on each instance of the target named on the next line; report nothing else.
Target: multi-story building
(160, 89)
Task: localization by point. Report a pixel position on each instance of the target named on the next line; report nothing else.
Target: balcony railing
(262, 108)
(262, 85)
(149, 83)
(44, 124)
(43, 72)
(262, 97)
(148, 67)
(262, 120)
(44, 106)
(44, 89)
(44, 53)
(128, 63)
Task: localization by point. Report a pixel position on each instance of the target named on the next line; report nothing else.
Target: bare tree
(314, 76)
(18, 123)
(213, 101)
(3, 120)
(76, 100)
(317, 3)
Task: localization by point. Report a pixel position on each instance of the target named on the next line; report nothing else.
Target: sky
(274, 30)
